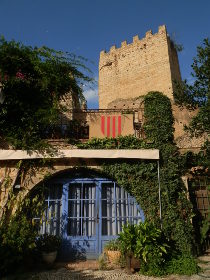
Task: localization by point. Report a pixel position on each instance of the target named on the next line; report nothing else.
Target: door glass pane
(108, 226)
(108, 210)
(82, 209)
(88, 227)
(74, 227)
(75, 191)
(118, 208)
(51, 220)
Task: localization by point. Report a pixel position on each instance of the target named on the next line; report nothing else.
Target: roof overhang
(152, 154)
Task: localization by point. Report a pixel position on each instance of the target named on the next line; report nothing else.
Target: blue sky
(86, 27)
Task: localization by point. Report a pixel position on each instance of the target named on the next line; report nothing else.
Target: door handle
(97, 219)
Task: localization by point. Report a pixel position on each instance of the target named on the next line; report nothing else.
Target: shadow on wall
(71, 252)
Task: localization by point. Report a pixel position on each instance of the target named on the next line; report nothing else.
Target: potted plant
(128, 240)
(48, 245)
(112, 250)
(152, 247)
(143, 244)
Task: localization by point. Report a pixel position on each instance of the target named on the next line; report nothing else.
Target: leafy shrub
(144, 240)
(182, 264)
(102, 262)
(150, 243)
(113, 245)
(128, 238)
(16, 242)
(177, 264)
(158, 256)
(48, 243)
(18, 234)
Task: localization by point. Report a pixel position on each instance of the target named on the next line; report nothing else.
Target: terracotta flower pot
(49, 258)
(113, 256)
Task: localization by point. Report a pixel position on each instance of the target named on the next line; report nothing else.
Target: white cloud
(90, 92)
(91, 95)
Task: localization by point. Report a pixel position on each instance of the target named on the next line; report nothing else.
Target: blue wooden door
(81, 216)
(87, 213)
(117, 208)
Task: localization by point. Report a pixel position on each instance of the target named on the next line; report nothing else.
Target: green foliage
(17, 241)
(112, 245)
(183, 96)
(102, 262)
(197, 94)
(128, 239)
(201, 122)
(48, 243)
(183, 265)
(178, 264)
(34, 81)
(150, 243)
(17, 235)
(201, 73)
(205, 228)
(144, 240)
(140, 178)
(202, 158)
(121, 142)
(158, 124)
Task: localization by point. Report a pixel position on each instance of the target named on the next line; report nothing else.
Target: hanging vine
(140, 178)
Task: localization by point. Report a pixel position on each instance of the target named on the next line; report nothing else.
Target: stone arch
(35, 177)
(87, 209)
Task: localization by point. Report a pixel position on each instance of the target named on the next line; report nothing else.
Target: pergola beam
(148, 154)
(78, 153)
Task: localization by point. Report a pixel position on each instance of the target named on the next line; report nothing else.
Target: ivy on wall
(140, 178)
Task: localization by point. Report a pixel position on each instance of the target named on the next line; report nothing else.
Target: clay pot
(49, 258)
(113, 256)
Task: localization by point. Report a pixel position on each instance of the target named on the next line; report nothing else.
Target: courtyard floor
(87, 270)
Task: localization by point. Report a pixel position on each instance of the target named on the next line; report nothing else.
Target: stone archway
(86, 211)
(38, 175)
(62, 160)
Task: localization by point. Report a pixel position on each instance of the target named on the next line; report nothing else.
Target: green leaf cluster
(157, 255)
(33, 82)
(144, 240)
(18, 234)
(48, 243)
(139, 178)
(183, 265)
(112, 245)
(197, 94)
(159, 119)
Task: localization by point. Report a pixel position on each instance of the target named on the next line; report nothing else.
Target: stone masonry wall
(149, 64)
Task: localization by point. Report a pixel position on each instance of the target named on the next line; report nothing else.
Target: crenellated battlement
(132, 70)
(136, 40)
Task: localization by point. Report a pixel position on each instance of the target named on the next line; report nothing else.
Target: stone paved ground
(88, 270)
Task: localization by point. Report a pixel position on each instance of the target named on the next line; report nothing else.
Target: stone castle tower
(149, 64)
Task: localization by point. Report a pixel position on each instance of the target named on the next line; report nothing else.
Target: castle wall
(174, 63)
(149, 64)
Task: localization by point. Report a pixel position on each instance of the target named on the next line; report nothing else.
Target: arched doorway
(87, 213)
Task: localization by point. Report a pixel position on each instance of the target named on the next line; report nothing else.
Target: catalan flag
(111, 126)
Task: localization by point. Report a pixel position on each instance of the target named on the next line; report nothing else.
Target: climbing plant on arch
(140, 178)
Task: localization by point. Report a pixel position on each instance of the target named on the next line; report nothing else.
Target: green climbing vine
(140, 178)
